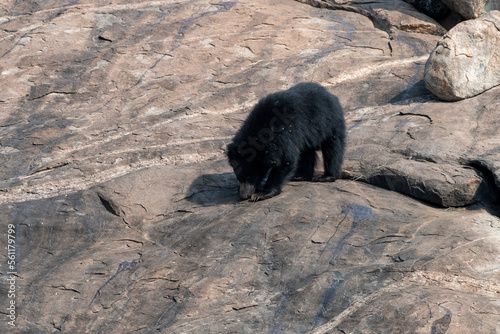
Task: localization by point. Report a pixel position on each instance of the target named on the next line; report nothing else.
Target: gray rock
(429, 150)
(466, 62)
(469, 9)
(442, 184)
(434, 8)
(387, 15)
(492, 5)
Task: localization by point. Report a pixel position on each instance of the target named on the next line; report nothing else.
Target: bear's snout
(246, 190)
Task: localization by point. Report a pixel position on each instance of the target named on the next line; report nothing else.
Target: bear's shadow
(213, 189)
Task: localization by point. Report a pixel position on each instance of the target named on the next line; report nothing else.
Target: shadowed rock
(468, 9)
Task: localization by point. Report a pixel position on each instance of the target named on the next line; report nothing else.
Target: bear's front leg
(277, 177)
(264, 195)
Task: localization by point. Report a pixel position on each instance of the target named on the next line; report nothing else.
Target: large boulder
(466, 61)
(469, 9)
(433, 8)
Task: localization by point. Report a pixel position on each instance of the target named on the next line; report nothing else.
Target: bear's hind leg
(305, 168)
(333, 155)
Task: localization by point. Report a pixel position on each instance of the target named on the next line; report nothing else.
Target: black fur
(280, 137)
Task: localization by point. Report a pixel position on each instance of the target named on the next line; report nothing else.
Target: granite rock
(467, 8)
(466, 61)
(114, 116)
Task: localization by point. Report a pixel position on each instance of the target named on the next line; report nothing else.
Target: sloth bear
(280, 137)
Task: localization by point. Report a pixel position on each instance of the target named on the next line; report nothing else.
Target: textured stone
(114, 116)
(428, 150)
(469, 9)
(466, 62)
(441, 184)
(387, 15)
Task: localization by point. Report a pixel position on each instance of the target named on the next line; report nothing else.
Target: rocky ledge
(114, 117)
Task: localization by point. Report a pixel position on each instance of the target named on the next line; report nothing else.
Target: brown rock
(442, 184)
(387, 15)
(419, 150)
(466, 62)
(113, 121)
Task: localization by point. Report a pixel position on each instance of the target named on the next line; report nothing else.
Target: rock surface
(469, 9)
(114, 117)
(433, 8)
(466, 62)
